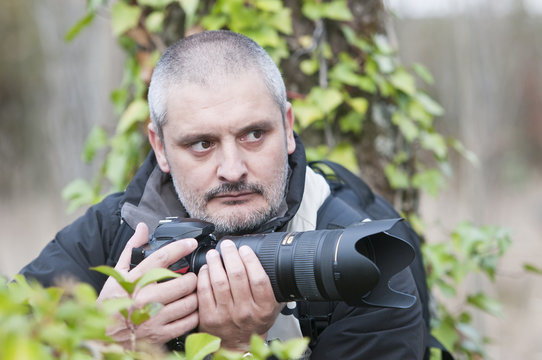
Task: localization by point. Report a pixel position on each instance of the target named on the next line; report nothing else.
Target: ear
(289, 127)
(159, 149)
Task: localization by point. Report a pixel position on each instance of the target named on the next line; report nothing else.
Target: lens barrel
(353, 265)
(305, 265)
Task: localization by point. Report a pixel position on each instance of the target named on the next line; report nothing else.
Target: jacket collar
(151, 197)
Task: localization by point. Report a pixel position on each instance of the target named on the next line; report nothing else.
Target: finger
(236, 272)
(219, 279)
(260, 285)
(164, 256)
(155, 331)
(181, 326)
(140, 238)
(206, 299)
(168, 291)
(178, 309)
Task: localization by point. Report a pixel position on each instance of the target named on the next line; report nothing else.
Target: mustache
(240, 186)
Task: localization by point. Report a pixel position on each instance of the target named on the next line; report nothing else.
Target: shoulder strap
(360, 188)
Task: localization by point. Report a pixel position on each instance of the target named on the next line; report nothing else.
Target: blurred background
(485, 56)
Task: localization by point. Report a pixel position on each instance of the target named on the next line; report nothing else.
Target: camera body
(354, 264)
(172, 229)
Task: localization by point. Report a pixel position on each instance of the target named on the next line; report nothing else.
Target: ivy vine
(345, 90)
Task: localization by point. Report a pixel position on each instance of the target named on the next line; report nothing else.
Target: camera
(352, 264)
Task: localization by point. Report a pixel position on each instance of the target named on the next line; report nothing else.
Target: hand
(179, 314)
(236, 299)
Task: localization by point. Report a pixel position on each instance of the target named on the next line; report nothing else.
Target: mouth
(234, 198)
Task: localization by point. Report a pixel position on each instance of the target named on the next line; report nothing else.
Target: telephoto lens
(354, 264)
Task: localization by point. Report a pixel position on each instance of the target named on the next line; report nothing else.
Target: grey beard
(274, 194)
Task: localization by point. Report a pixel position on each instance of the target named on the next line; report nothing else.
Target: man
(224, 151)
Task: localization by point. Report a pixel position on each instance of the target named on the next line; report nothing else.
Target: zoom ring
(267, 255)
(304, 262)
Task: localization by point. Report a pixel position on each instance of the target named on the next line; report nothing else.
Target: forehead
(223, 102)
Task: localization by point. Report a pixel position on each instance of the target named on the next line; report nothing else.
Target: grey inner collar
(159, 200)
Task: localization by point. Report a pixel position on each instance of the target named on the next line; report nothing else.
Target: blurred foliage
(67, 323)
(352, 94)
(471, 251)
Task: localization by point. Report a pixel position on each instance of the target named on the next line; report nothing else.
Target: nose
(231, 164)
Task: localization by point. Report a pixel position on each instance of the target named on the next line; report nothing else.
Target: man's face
(226, 147)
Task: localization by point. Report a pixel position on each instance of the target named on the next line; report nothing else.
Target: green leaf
(398, 178)
(223, 354)
(190, 7)
(155, 21)
(78, 26)
(259, 348)
(430, 105)
(296, 347)
(352, 122)
(365, 83)
(137, 111)
(406, 126)
(417, 223)
(316, 153)
(486, 303)
(292, 349)
(309, 66)
(124, 17)
(337, 10)
(266, 36)
(385, 63)
(155, 3)
(353, 39)
(417, 112)
(326, 99)
(116, 305)
(118, 98)
(214, 22)
(359, 104)
(109, 271)
(154, 275)
(446, 333)
(79, 192)
(96, 140)
(345, 71)
(268, 5)
(306, 113)
(85, 294)
(282, 21)
(434, 142)
(466, 153)
(312, 10)
(403, 81)
(430, 180)
(345, 154)
(139, 316)
(123, 158)
(382, 44)
(199, 345)
(532, 268)
(93, 5)
(423, 73)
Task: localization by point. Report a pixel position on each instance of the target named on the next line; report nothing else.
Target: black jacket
(100, 235)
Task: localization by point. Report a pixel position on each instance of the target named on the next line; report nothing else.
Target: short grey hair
(205, 58)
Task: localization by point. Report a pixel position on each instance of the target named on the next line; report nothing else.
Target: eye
(201, 146)
(253, 136)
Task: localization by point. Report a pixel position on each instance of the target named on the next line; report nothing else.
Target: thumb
(140, 238)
